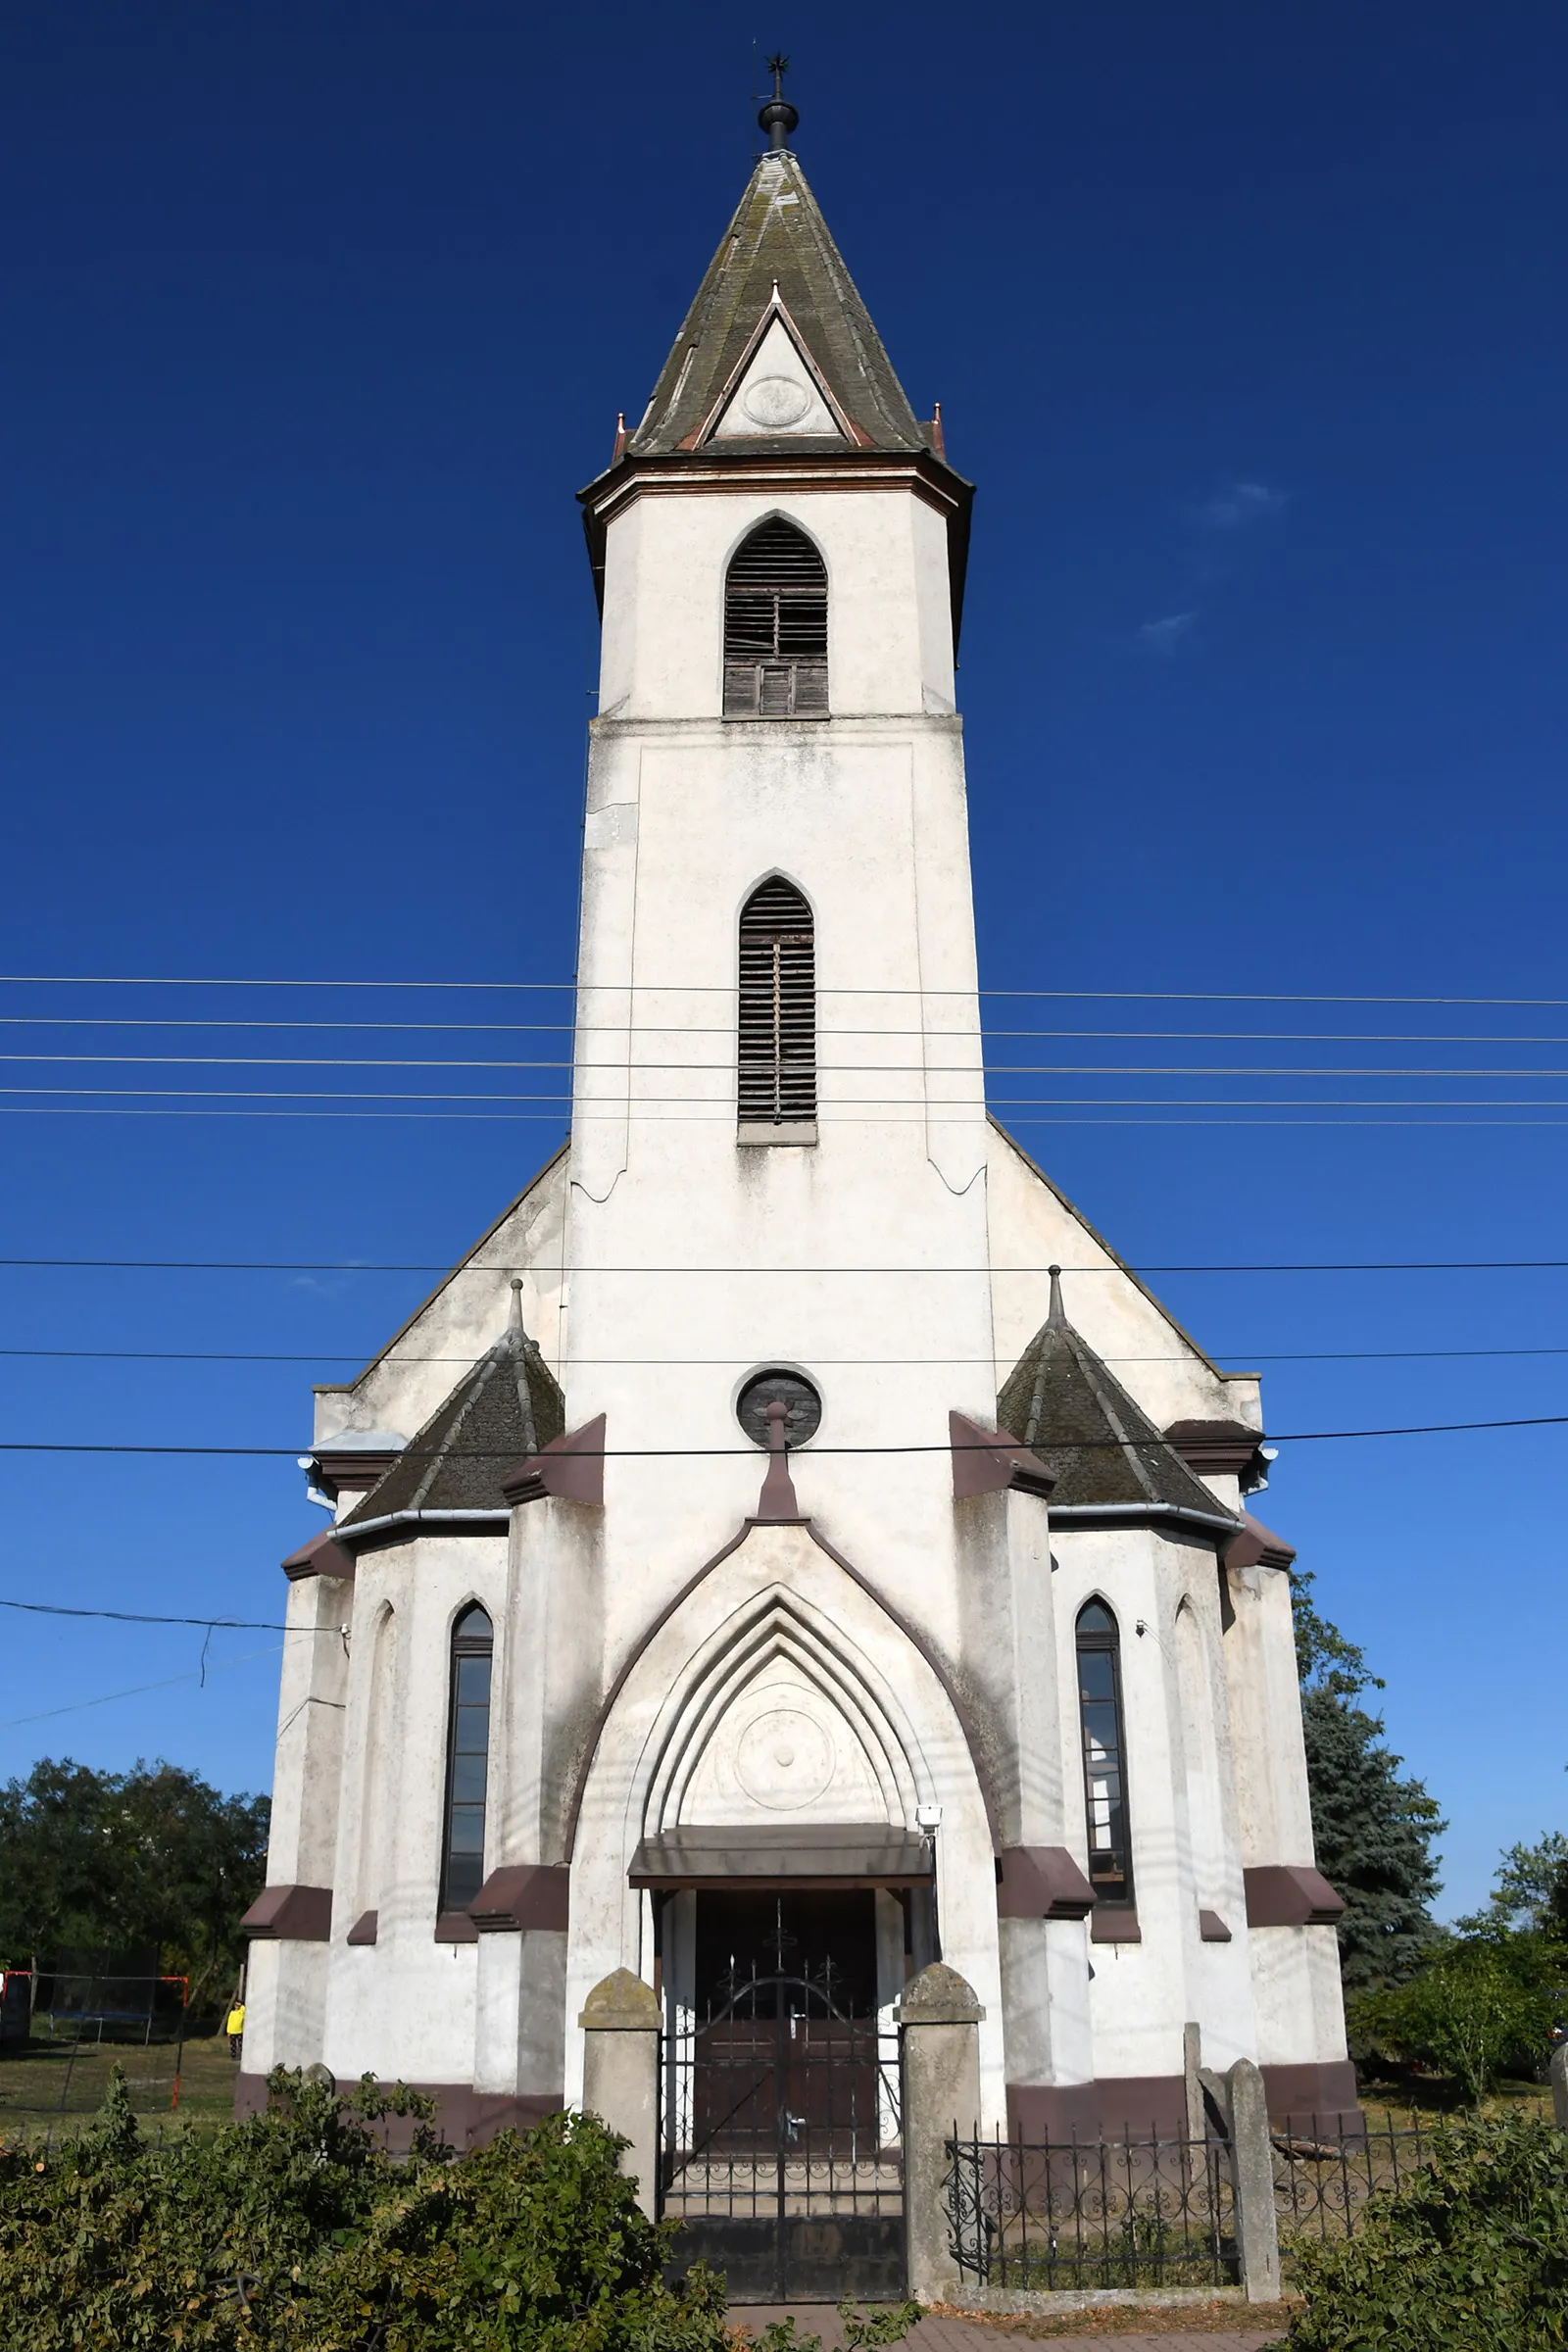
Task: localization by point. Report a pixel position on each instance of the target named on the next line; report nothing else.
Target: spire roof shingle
(778, 239)
(500, 1413)
(1064, 1405)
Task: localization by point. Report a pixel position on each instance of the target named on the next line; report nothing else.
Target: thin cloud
(1239, 504)
(1166, 635)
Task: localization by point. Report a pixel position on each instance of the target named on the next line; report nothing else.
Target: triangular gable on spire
(776, 389)
(778, 266)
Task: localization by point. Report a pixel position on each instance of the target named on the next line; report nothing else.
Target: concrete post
(938, 2018)
(1252, 2178)
(1559, 2085)
(620, 2023)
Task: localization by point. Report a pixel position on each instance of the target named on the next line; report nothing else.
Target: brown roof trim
(322, 1555)
(1286, 1894)
(1258, 1546)
(1040, 1882)
(805, 1855)
(719, 469)
(1227, 1449)
(523, 1894)
(571, 1467)
(987, 1461)
(591, 1744)
(290, 1915)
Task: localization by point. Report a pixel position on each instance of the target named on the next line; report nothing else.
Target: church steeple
(778, 291)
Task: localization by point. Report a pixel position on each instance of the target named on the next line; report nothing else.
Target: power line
(567, 1028)
(211, 1625)
(637, 1453)
(1071, 996)
(524, 1118)
(317, 1265)
(77, 1707)
(358, 1355)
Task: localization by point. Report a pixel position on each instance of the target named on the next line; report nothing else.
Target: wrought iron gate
(782, 2142)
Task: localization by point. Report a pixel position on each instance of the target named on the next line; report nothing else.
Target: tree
(1482, 2005)
(1532, 1889)
(104, 1862)
(1373, 1831)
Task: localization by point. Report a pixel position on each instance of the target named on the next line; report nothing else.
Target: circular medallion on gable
(784, 1760)
(775, 401)
(802, 1407)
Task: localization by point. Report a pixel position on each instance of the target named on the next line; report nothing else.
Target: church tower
(833, 1550)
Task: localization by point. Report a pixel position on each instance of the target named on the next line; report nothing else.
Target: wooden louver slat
(777, 1017)
(775, 626)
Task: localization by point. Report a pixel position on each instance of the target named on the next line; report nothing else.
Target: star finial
(779, 117)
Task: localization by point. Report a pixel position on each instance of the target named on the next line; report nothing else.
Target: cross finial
(779, 117)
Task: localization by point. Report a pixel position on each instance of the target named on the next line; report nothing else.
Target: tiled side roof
(500, 1413)
(778, 235)
(1064, 1405)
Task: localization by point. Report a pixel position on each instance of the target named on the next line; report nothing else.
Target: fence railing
(1051, 2214)
(1323, 2176)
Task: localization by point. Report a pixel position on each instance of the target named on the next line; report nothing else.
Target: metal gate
(782, 2142)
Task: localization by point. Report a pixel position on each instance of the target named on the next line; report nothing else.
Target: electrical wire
(1070, 995)
(320, 1265)
(683, 1454)
(567, 1028)
(360, 1356)
(79, 1706)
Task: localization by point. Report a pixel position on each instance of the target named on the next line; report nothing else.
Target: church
(790, 1543)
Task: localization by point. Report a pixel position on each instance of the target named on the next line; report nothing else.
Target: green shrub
(1484, 2003)
(1471, 2251)
(294, 2231)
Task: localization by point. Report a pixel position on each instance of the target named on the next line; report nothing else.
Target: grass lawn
(53, 2085)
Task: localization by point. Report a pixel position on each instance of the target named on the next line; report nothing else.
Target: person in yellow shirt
(234, 2028)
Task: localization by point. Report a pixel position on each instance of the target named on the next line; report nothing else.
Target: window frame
(767, 677)
(1104, 1641)
(466, 1648)
(775, 1015)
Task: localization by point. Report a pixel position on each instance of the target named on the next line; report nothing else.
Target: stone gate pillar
(620, 2024)
(939, 2019)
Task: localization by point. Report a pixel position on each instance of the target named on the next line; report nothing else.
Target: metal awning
(808, 1854)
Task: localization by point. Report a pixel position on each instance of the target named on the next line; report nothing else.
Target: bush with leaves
(294, 2230)
(1484, 2005)
(1471, 2250)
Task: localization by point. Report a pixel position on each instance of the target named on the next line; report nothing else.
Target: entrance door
(782, 2141)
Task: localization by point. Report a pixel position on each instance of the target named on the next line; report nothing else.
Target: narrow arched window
(1111, 1861)
(777, 1047)
(775, 626)
(468, 1759)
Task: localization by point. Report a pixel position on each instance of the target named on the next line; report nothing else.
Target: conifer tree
(1372, 1829)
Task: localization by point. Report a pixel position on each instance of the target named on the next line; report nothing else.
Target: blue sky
(1247, 324)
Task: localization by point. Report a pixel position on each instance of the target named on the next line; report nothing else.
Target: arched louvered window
(777, 1007)
(775, 626)
(1111, 1861)
(468, 1759)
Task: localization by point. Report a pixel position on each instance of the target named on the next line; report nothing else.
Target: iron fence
(1053, 2215)
(1323, 2176)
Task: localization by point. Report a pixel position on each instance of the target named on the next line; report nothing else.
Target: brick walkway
(1227, 2328)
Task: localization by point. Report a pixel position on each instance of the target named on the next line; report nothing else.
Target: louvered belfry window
(777, 1007)
(775, 626)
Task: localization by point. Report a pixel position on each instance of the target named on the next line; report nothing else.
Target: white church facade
(791, 1526)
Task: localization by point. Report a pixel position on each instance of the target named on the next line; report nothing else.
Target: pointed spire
(779, 117)
(777, 257)
(777, 1499)
(1056, 1314)
(514, 1320)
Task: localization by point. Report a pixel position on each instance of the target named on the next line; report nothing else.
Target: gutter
(1142, 1514)
(470, 1523)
